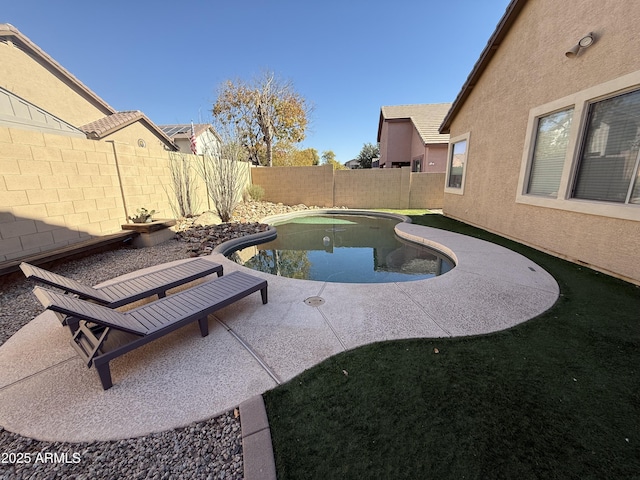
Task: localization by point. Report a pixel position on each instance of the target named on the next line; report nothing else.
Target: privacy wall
(367, 188)
(57, 190)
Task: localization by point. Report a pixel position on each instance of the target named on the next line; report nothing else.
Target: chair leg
(204, 326)
(263, 292)
(105, 375)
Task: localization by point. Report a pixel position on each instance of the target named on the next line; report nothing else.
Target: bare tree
(225, 172)
(183, 185)
(263, 112)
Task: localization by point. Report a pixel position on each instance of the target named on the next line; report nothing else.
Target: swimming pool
(343, 248)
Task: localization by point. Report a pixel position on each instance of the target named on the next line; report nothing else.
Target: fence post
(124, 200)
(405, 187)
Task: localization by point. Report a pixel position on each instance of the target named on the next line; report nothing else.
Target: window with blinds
(609, 157)
(549, 153)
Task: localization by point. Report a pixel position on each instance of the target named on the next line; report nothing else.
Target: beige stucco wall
(530, 69)
(33, 80)
(401, 142)
(362, 188)
(396, 142)
(57, 190)
(436, 154)
(134, 132)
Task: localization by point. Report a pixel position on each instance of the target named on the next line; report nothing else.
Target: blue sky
(347, 58)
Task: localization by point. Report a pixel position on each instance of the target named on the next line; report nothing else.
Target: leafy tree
(263, 112)
(368, 153)
(287, 155)
(328, 157)
(306, 157)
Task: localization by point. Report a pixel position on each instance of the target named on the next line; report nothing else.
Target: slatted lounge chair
(126, 291)
(105, 334)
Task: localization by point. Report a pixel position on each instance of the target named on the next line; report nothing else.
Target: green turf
(557, 397)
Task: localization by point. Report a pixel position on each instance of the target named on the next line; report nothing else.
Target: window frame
(453, 141)
(580, 102)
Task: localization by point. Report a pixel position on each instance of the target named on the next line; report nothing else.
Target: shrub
(255, 192)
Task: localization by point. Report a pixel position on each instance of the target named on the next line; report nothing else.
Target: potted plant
(143, 216)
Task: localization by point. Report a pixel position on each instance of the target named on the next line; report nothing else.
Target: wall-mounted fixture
(583, 43)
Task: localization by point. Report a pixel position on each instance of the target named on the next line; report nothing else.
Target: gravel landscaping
(211, 449)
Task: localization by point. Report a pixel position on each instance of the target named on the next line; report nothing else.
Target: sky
(347, 58)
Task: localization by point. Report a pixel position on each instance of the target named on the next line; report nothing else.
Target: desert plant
(183, 185)
(225, 174)
(142, 215)
(255, 192)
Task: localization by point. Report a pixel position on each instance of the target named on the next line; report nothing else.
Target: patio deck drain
(314, 301)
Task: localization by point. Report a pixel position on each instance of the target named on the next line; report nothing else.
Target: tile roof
(111, 123)
(427, 119)
(105, 125)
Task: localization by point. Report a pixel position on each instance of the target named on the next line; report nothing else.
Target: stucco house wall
(33, 79)
(132, 134)
(435, 159)
(529, 69)
(408, 136)
(398, 142)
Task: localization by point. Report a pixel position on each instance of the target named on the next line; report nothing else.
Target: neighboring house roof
(10, 33)
(352, 163)
(183, 130)
(511, 13)
(16, 111)
(425, 117)
(112, 123)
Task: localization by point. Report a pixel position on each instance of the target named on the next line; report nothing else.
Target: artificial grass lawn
(557, 397)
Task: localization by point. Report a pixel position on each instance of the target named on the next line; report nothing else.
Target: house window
(549, 154)
(457, 164)
(608, 162)
(416, 164)
(582, 152)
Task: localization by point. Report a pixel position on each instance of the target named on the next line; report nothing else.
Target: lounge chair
(104, 334)
(125, 291)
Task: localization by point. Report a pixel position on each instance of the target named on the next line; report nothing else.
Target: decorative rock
(208, 218)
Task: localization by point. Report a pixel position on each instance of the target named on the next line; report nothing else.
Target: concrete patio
(47, 393)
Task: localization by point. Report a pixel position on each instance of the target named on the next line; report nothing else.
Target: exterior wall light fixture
(583, 43)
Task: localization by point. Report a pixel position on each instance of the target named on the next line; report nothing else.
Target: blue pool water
(344, 249)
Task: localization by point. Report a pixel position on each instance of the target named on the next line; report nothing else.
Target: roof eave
(8, 30)
(504, 25)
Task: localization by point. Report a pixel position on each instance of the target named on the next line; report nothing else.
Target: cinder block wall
(57, 190)
(367, 188)
(312, 186)
(427, 190)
